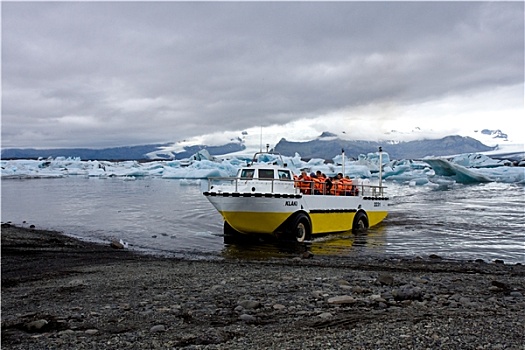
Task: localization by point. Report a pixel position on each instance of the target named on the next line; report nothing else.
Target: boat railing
(339, 188)
(236, 184)
(277, 155)
(240, 184)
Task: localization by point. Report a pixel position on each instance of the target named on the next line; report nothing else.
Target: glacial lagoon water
(173, 218)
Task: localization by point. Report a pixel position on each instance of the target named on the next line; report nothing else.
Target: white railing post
(380, 167)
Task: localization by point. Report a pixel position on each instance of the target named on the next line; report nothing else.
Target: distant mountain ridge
(326, 146)
(142, 152)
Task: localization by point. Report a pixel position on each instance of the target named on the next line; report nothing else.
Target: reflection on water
(171, 217)
(346, 243)
(339, 244)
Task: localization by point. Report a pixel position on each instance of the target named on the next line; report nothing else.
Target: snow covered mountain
(325, 146)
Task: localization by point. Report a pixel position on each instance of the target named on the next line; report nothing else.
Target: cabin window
(265, 173)
(247, 173)
(284, 175)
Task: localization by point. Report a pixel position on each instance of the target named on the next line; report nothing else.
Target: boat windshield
(284, 175)
(265, 173)
(247, 173)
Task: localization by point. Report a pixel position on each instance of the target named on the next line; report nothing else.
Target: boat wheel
(300, 229)
(360, 223)
(230, 234)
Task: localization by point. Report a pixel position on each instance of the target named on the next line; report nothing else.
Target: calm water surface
(172, 217)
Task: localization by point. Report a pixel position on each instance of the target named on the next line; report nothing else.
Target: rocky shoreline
(61, 293)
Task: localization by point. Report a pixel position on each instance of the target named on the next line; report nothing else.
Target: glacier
(459, 169)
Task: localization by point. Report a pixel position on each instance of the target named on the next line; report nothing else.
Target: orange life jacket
(347, 187)
(319, 185)
(304, 184)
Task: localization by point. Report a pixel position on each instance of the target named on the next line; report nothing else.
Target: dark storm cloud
(100, 74)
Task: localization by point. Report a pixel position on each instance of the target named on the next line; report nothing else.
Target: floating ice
(465, 168)
(458, 172)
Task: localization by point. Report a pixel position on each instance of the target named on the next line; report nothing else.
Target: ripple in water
(172, 217)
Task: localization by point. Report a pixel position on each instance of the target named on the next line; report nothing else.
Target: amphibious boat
(269, 199)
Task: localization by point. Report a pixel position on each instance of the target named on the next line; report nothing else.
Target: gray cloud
(78, 74)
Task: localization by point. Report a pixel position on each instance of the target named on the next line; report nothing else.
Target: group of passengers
(319, 183)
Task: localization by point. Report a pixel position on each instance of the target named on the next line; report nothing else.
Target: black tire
(360, 224)
(231, 235)
(300, 230)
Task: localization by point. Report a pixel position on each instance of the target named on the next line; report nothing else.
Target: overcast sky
(100, 74)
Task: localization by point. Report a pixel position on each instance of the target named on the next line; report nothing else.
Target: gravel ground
(60, 293)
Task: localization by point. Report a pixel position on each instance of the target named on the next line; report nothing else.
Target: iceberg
(462, 169)
(458, 172)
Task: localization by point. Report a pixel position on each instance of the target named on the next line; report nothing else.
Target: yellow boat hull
(267, 214)
(264, 223)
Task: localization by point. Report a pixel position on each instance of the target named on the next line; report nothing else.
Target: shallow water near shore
(173, 218)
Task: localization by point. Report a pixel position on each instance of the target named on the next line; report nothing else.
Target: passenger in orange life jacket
(328, 183)
(354, 191)
(337, 188)
(322, 184)
(304, 183)
(348, 187)
(304, 176)
(318, 182)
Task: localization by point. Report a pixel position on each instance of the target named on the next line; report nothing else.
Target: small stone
(500, 285)
(66, 332)
(77, 283)
(325, 315)
(421, 280)
(279, 307)
(116, 245)
(36, 326)
(342, 299)
(359, 290)
(464, 301)
(377, 298)
(435, 257)
(158, 328)
(407, 293)
(250, 304)
(385, 279)
(238, 308)
(382, 305)
(307, 255)
(247, 318)
(91, 331)
(318, 294)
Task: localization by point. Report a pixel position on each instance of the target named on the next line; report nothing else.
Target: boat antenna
(260, 141)
(380, 166)
(343, 153)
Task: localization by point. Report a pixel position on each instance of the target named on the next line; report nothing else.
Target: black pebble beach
(61, 293)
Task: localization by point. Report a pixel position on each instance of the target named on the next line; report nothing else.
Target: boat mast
(343, 153)
(380, 166)
(260, 141)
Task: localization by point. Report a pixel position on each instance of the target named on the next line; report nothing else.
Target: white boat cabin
(262, 179)
(264, 173)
